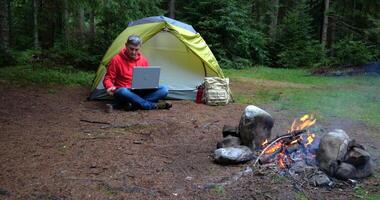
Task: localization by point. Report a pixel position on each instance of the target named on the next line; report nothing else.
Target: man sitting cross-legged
(118, 80)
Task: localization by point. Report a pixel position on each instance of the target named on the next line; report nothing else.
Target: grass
(355, 97)
(361, 193)
(352, 97)
(26, 75)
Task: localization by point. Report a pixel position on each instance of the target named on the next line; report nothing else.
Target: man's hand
(111, 90)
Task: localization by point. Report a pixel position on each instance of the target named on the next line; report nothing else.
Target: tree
(4, 24)
(226, 27)
(172, 9)
(297, 48)
(325, 22)
(35, 24)
(274, 20)
(65, 20)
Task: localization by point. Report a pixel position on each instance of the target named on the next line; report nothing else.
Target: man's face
(132, 50)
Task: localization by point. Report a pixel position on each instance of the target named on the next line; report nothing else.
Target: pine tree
(297, 48)
(226, 27)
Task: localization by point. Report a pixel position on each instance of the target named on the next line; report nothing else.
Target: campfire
(299, 145)
(319, 158)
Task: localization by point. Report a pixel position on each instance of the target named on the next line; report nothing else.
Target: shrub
(351, 52)
(26, 57)
(312, 54)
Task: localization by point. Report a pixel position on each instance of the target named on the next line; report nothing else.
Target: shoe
(163, 105)
(109, 108)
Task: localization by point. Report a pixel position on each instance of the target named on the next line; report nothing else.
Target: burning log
(277, 146)
(281, 144)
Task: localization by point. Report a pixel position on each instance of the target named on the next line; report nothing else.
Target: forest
(240, 33)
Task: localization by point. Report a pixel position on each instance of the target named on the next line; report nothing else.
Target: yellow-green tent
(183, 55)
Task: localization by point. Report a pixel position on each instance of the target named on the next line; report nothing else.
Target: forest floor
(54, 144)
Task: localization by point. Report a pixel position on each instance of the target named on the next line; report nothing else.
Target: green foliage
(308, 54)
(76, 57)
(236, 30)
(26, 56)
(72, 56)
(351, 52)
(296, 46)
(115, 15)
(26, 75)
(226, 27)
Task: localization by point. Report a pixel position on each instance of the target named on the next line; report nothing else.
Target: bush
(236, 63)
(26, 57)
(351, 52)
(70, 56)
(312, 54)
(78, 58)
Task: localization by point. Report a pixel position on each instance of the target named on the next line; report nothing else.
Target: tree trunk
(35, 24)
(274, 20)
(255, 11)
(92, 24)
(65, 20)
(172, 9)
(325, 22)
(4, 24)
(81, 23)
(332, 35)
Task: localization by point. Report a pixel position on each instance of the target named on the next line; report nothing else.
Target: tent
(183, 55)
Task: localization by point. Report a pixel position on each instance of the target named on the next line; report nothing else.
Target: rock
(364, 170)
(321, 179)
(233, 155)
(332, 148)
(361, 160)
(340, 157)
(345, 171)
(255, 127)
(230, 130)
(229, 141)
(357, 156)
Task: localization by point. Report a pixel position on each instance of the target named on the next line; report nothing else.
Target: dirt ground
(54, 144)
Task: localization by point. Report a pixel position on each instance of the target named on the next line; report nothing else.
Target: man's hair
(134, 40)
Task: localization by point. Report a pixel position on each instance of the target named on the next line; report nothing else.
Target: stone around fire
(229, 141)
(255, 127)
(233, 155)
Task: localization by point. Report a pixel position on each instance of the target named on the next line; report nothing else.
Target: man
(118, 80)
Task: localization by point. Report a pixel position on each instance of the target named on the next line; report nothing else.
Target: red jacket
(119, 70)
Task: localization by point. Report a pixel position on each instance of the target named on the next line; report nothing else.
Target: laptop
(145, 77)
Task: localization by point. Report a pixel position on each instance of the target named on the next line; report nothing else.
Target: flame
(304, 122)
(279, 149)
(281, 160)
(264, 143)
(310, 139)
(274, 148)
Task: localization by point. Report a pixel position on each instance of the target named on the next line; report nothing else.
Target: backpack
(216, 91)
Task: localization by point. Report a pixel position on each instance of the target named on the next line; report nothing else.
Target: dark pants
(145, 99)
